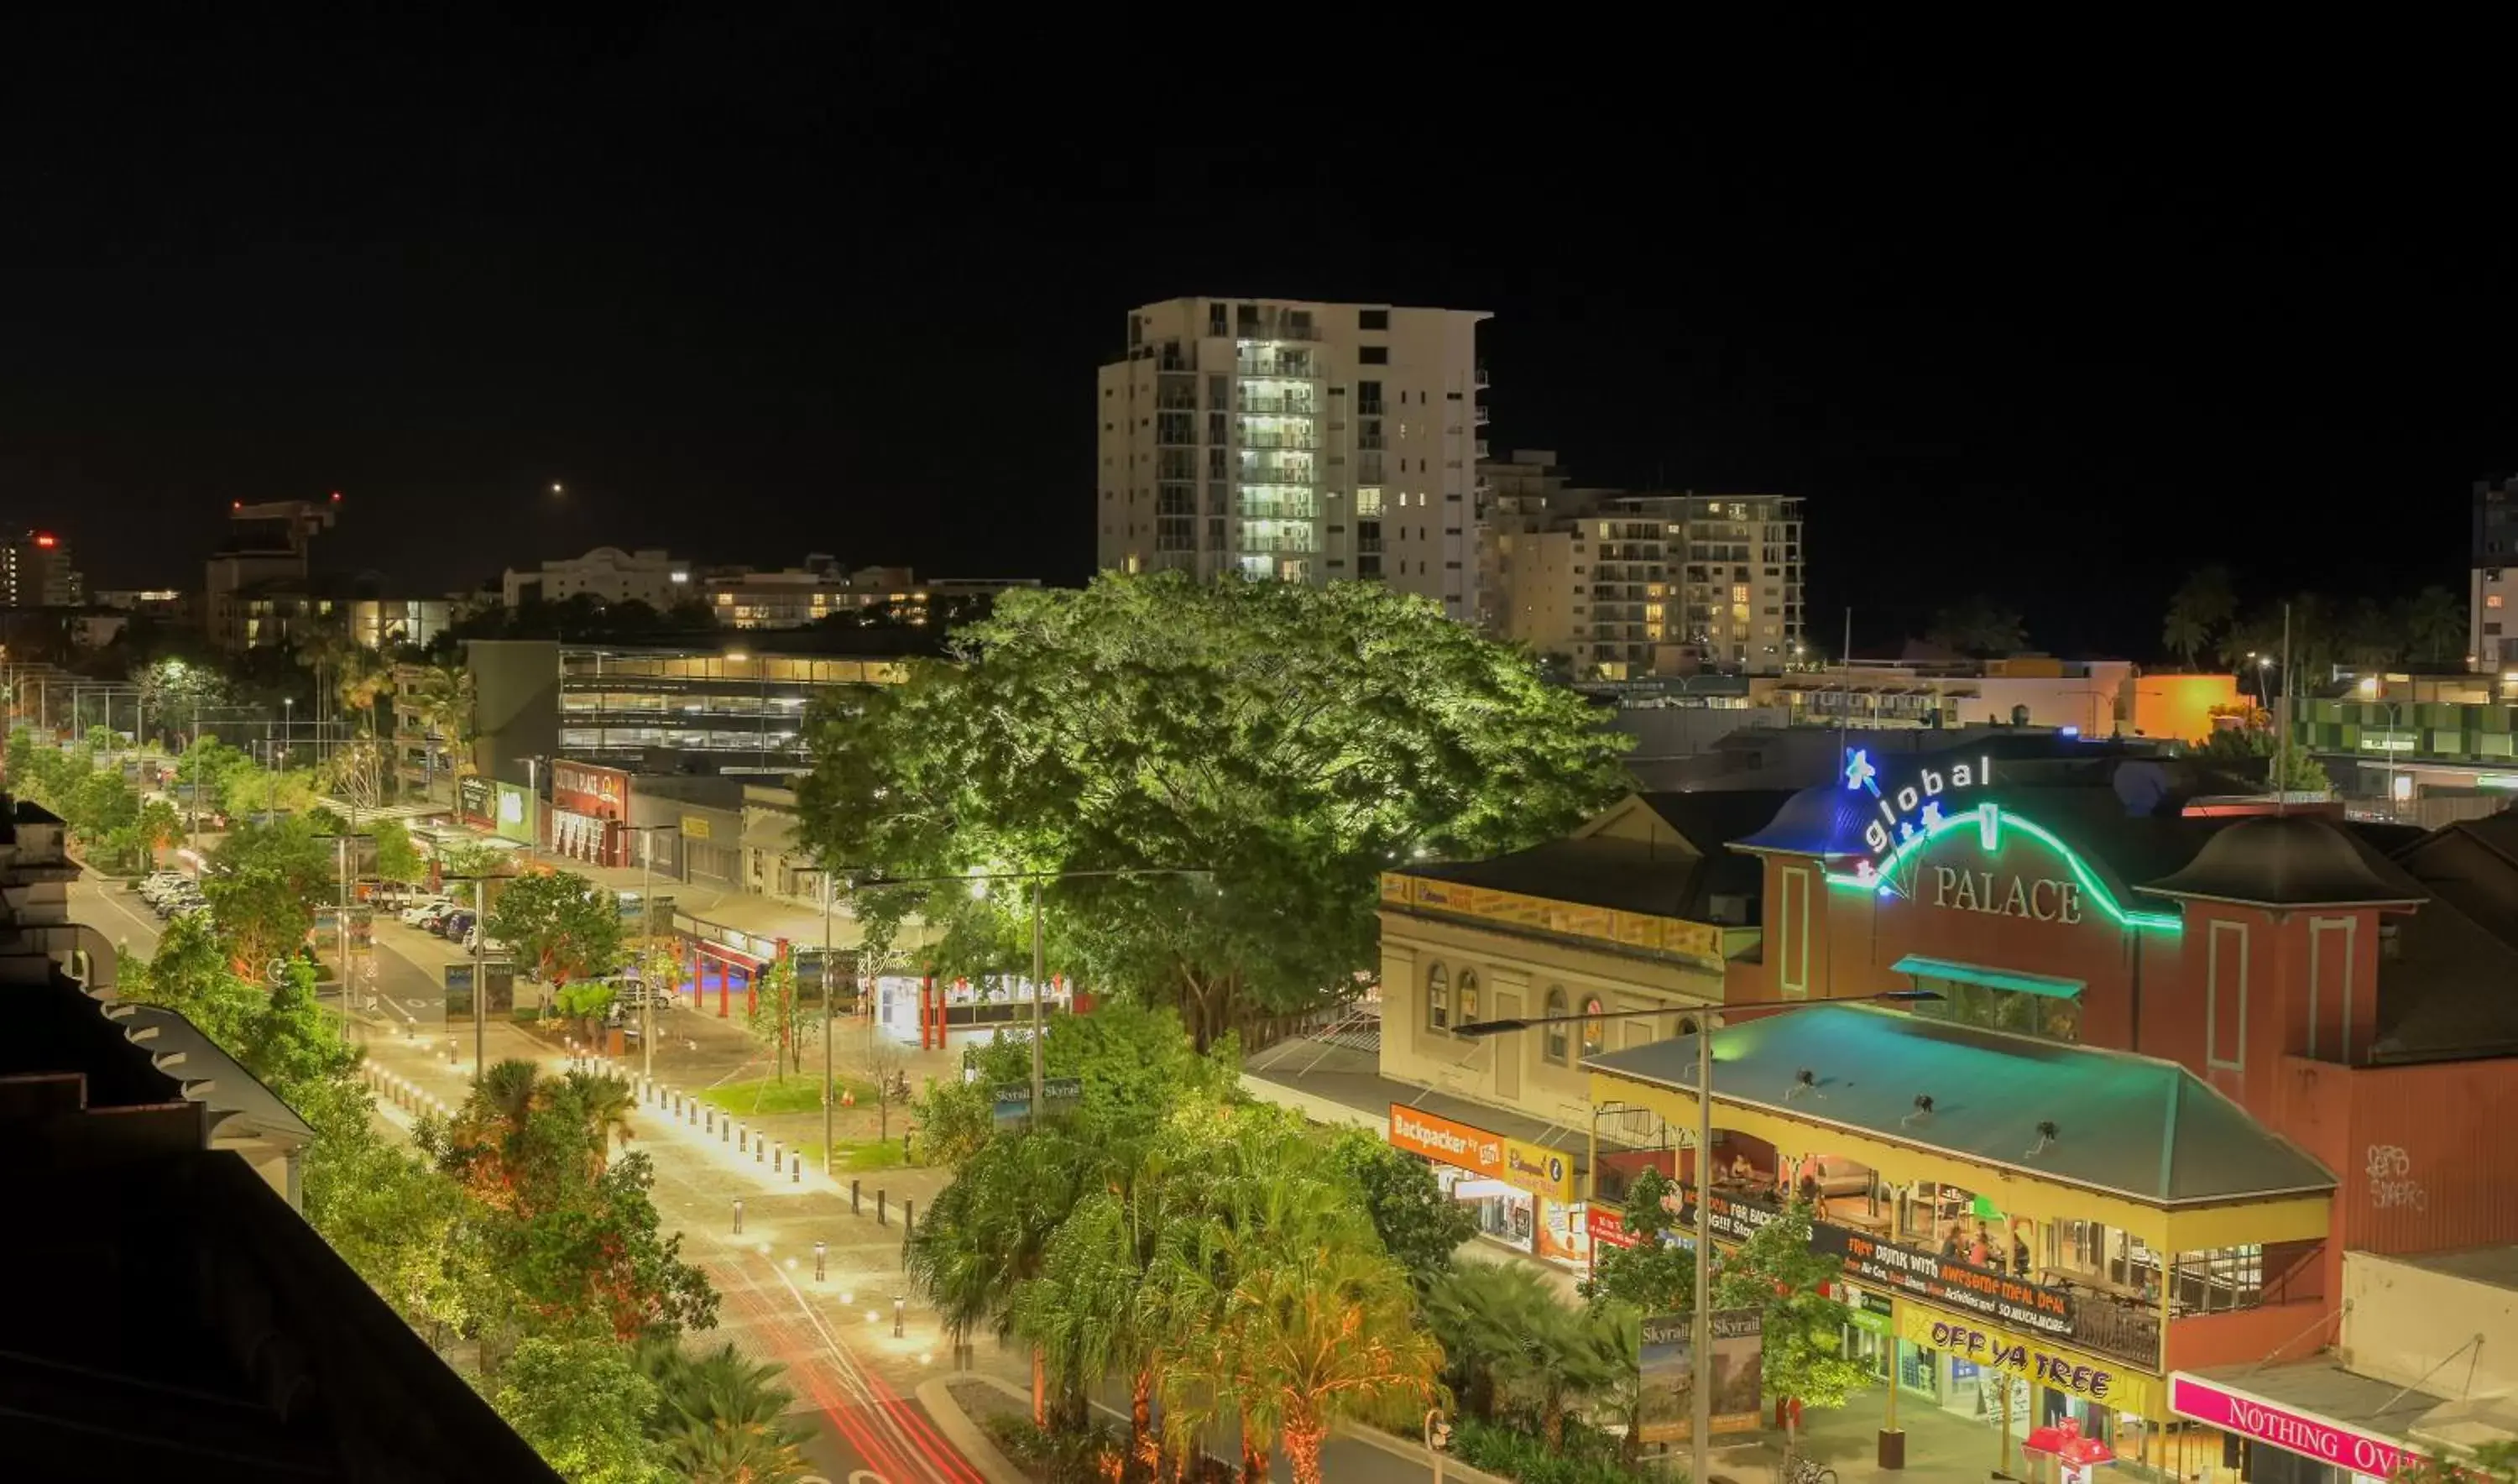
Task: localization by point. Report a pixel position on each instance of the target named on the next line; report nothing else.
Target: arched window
(1595, 1031)
(1557, 1039)
(1438, 999)
(1468, 998)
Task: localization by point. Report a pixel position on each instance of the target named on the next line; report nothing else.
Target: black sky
(839, 284)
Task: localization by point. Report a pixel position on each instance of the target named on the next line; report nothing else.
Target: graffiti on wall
(2392, 1184)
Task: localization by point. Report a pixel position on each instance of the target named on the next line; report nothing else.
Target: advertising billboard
(515, 819)
(1737, 1374)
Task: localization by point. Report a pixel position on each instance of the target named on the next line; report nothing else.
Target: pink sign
(2300, 1433)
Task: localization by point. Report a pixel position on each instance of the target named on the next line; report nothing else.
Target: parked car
(426, 910)
(632, 994)
(453, 924)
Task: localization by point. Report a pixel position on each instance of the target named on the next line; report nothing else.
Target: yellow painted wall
(1514, 975)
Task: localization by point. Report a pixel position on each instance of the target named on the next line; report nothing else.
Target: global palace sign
(1912, 808)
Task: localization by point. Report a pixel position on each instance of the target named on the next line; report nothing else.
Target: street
(851, 1376)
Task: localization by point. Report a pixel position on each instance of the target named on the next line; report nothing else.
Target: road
(851, 1376)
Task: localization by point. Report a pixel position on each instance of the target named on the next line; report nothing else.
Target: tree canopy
(1286, 742)
(559, 922)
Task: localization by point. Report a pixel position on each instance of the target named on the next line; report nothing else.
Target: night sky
(833, 286)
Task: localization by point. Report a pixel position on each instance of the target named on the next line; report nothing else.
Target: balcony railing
(1280, 407)
(1289, 439)
(1274, 329)
(1286, 367)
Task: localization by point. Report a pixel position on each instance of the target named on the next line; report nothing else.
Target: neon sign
(1990, 821)
(1915, 807)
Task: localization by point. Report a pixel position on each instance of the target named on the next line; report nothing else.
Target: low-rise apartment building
(609, 574)
(794, 597)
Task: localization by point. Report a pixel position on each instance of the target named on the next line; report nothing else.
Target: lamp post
(2372, 688)
(480, 990)
(1700, 1323)
(977, 882)
(646, 834)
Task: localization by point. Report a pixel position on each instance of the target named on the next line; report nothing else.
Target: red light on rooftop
(46, 540)
(336, 495)
(235, 505)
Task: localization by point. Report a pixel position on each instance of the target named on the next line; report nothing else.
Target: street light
(480, 990)
(1700, 1323)
(646, 834)
(2372, 690)
(979, 881)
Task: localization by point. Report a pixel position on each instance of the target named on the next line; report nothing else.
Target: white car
(419, 912)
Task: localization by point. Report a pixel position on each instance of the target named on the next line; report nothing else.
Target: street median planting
(764, 1096)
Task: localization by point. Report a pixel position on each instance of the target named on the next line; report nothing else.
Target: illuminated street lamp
(1701, 1342)
(2372, 690)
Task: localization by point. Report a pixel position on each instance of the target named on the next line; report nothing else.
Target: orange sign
(1533, 1168)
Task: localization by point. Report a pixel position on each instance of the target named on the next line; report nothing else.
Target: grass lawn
(775, 1095)
(858, 1157)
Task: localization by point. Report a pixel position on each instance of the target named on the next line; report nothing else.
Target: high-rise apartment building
(36, 572)
(2493, 643)
(1620, 586)
(1297, 441)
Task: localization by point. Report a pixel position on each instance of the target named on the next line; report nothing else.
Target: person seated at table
(1742, 1170)
(1954, 1241)
(1981, 1250)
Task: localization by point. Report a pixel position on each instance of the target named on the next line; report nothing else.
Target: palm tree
(2370, 635)
(1512, 1341)
(507, 1092)
(987, 1233)
(1319, 1331)
(722, 1419)
(2202, 605)
(2435, 626)
(442, 697)
(605, 1102)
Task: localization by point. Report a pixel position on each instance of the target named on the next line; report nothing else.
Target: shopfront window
(1596, 1029)
(1557, 1039)
(1468, 998)
(1437, 998)
(2046, 1017)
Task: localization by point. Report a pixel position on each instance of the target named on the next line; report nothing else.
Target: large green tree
(1515, 1345)
(559, 922)
(1288, 742)
(1653, 1276)
(586, 1406)
(1420, 1225)
(261, 885)
(1979, 626)
(722, 1419)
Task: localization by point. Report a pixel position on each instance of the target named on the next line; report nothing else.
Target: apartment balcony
(1176, 402)
(1302, 440)
(1480, 448)
(1480, 379)
(1278, 406)
(1294, 368)
(1278, 510)
(1277, 545)
(1370, 443)
(1249, 333)
(1483, 415)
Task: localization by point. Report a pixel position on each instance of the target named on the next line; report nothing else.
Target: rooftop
(2124, 1124)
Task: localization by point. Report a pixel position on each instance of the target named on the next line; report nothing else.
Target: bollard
(795, 1169)
(760, 1150)
(908, 1219)
(738, 1215)
(853, 1208)
(899, 1308)
(777, 1153)
(821, 1257)
(725, 1131)
(708, 1122)
(739, 1135)
(879, 1198)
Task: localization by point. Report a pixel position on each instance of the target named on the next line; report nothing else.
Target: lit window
(2492, 600)
(1556, 1037)
(1468, 998)
(1596, 1029)
(1438, 999)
